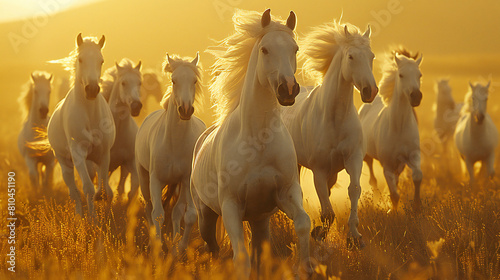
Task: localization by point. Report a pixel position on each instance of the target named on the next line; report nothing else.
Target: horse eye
(350, 57)
(102, 62)
(80, 60)
(123, 84)
(400, 76)
(195, 82)
(264, 51)
(173, 82)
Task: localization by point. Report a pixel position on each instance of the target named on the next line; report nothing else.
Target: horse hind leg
(158, 213)
(33, 173)
(392, 182)
(189, 214)
(48, 179)
(417, 181)
(143, 175)
(373, 179)
(207, 222)
(134, 181)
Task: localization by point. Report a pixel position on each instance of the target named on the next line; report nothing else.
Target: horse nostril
(44, 111)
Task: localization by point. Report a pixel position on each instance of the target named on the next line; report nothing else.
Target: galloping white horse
(390, 123)
(81, 130)
(447, 112)
(476, 136)
(324, 125)
(121, 87)
(35, 105)
(165, 143)
(245, 166)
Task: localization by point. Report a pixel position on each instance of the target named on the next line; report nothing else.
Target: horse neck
(258, 104)
(335, 95)
(34, 118)
(117, 106)
(477, 130)
(400, 110)
(445, 102)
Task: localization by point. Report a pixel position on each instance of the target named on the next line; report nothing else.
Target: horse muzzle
(91, 91)
(135, 108)
(44, 110)
(185, 112)
(287, 91)
(368, 94)
(415, 98)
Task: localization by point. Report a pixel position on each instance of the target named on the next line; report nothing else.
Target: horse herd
(244, 167)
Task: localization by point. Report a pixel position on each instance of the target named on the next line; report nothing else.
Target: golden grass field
(457, 236)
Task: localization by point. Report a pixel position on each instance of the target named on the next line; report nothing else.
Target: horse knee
(302, 224)
(354, 191)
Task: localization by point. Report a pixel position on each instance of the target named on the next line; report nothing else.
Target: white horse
(121, 87)
(81, 130)
(390, 124)
(324, 124)
(35, 105)
(165, 143)
(245, 166)
(476, 136)
(447, 112)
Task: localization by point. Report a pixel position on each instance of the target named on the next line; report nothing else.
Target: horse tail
(40, 146)
(167, 194)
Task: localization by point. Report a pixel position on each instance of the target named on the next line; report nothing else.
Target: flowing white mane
(232, 57)
(322, 43)
(169, 68)
(111, 74)
(390, 72)
(26, 97)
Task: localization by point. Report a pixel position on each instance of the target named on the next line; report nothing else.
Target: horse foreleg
(68, 174)
(392, 182)
(134, 180)
(373, 179)
(291, 204)
(414, 164)
(260, 234)
(33, 172)
(157, 215)
(103, 177)
(143, 175)
(470, 168)
(123, 178)
(353, 167)
(179, 209)
(490, 166)
(231, 216)
(207, 223)
(189, 214)
(80, 162)
(323, 191)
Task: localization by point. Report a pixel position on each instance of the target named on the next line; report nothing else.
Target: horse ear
(118, 67)
(471, 85)
(101, 42)
(195, 60)
(79, 40)
(488, 85)
(367, 32)
(420, 59)
(266, 18)
(291, 22)
(167, 65)
(138, 66)
(32, 77)
(346, 31)
(397, 59)
(50, 78)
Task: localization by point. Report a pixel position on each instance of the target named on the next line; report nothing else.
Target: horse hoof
(319, 233)
(354, 243)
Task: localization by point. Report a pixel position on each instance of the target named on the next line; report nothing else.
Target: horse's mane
(110, 75)
(69, 62)
(26, 98)
(169, 68)
(322, 43)
(232, 57)
(390, 72)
